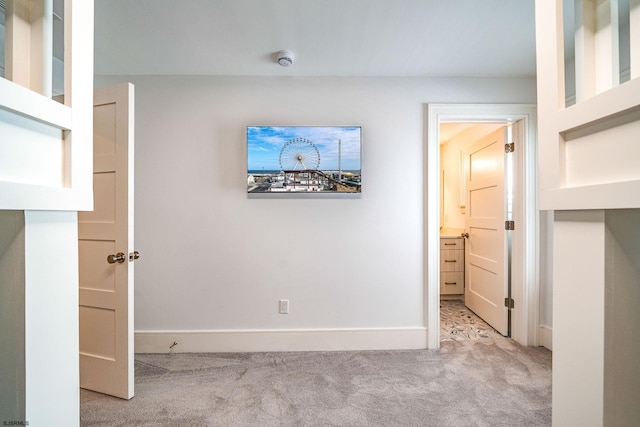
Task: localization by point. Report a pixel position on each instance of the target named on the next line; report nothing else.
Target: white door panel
(486, 256)
(106, 289)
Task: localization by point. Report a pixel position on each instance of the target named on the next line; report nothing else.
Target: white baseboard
(224, 341)
(545, 337)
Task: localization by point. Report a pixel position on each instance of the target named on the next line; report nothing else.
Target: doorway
(474, 248)
(524, 239)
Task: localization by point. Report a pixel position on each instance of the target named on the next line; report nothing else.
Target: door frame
(525, 246)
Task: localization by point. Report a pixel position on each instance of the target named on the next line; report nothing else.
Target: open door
(487, 245)
(106, 251)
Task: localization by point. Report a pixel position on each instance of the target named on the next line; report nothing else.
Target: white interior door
(106, 251)
(486, 247)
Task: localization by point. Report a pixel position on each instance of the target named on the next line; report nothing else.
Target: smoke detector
(284, 58)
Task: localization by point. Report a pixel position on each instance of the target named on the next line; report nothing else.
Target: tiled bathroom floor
(458, 323)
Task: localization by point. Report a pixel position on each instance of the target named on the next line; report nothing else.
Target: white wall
(622, 317)
(213, 259)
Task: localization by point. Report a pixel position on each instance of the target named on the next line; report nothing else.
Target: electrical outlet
(284, 306)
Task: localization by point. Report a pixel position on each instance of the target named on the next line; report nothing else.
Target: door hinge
(508, 302)
(509, 148)
(509, 225)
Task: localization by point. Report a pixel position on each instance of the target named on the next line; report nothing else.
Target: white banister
(36, 179)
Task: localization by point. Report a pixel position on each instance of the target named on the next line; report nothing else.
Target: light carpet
(489, 382)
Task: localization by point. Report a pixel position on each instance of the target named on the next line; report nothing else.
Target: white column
(578, 317)
(51, 318)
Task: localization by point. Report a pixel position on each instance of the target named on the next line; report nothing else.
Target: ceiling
(462, 38)
(448, 131)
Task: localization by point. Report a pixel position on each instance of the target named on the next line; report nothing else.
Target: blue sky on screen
(265, 142)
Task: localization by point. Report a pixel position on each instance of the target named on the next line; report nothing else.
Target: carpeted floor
(487, 382)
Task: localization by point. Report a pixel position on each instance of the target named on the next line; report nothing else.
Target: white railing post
(597, 47)
(29, 44)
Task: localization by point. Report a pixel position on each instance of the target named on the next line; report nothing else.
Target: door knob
(134, 256)
(119, 258)
(465, 235)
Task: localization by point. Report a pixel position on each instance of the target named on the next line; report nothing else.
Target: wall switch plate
(284, 306)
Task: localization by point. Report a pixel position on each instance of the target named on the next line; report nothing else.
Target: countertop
(451, 233)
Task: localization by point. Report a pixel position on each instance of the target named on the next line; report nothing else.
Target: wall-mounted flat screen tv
(303, 159)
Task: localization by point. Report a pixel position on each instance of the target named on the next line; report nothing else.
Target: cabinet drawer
(452, 282)
(451, 260)
(447, 243)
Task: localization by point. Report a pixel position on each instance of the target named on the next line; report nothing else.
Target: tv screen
(295, 159)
